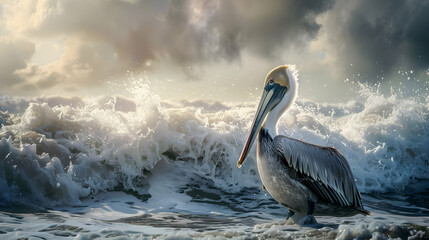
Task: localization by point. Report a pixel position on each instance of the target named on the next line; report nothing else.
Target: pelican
(307, 179)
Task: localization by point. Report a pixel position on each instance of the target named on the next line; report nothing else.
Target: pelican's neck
(270, 123)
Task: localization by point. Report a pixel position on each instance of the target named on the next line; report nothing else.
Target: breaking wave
(56, 150)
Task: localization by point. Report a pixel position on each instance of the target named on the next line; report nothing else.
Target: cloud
(221, 30)
(108, 37)
(103, 39)
(34, 77)
(14, 55)
(281, 24)
(377, 38)
(82, 64)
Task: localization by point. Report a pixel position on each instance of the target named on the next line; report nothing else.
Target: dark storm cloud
(195, 32)
(202, 30)
(374, 38)
(207, 30)
(287, 24)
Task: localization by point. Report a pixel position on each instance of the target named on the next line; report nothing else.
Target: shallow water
(139, 167)
(117, 215)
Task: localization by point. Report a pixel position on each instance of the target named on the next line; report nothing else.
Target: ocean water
(139, 167)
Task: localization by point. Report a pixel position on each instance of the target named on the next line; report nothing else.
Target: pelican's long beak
(271, 96)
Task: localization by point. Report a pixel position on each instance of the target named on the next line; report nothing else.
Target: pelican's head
(280, 89)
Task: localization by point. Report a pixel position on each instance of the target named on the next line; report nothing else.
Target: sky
(215, 50)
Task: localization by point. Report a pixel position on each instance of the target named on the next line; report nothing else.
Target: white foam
(58, 150)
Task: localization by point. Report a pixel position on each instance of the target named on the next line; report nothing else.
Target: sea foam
(56, 150)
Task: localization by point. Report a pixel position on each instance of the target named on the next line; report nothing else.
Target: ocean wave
(56, 150)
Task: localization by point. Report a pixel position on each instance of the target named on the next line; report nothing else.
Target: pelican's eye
(271, 81)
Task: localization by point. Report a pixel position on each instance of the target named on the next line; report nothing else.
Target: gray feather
(325, 170)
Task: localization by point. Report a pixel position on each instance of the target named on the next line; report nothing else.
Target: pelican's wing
(324, 170)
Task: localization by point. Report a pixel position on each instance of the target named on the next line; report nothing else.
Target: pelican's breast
(277, 179)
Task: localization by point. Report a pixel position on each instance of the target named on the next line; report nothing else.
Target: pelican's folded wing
(324, 170)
